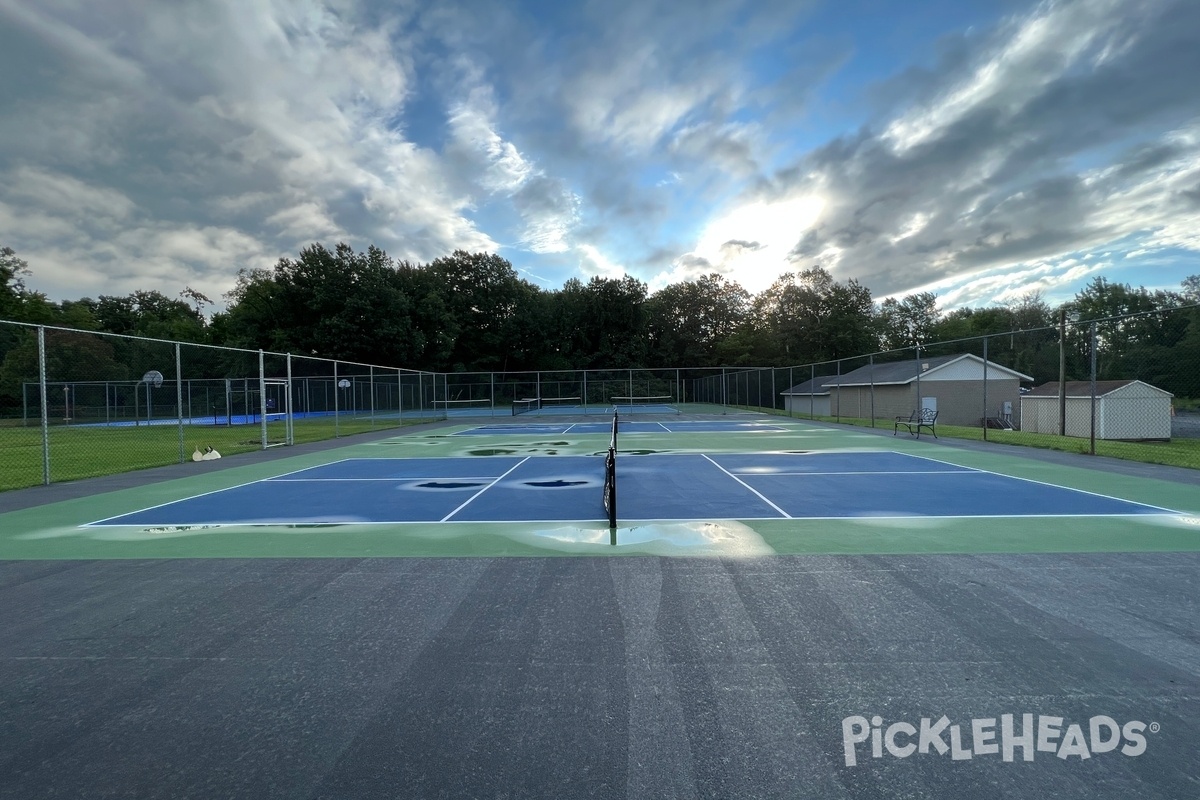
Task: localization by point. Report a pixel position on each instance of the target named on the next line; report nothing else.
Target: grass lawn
(85, 452)
(1174, 453)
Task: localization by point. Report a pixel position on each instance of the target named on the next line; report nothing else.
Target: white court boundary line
(1045, 483)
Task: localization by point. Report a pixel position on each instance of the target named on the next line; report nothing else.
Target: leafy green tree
(13, 271)
(569, 326)
(329, 303)
(79, 314)
(908, 322)
(18, 303)
(614, 324)
(70, 356)
(1190, 289)
(1139, 334)
(254, 317)
(485, 297)
(150, 314)
(808, 316)
(687, 321)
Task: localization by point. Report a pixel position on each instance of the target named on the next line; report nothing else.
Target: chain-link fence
(75, 404)
(78, 404)
(1126, 386)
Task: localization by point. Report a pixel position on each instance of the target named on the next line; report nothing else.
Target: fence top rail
(551, 372)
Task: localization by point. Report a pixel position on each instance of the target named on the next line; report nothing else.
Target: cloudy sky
(976, 149)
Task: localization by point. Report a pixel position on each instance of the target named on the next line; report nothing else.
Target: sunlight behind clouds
(750, 244)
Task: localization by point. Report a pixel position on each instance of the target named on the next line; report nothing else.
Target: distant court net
(452, 405)
(559, 402)
(645, 400)
(610, 477)
(528, 404)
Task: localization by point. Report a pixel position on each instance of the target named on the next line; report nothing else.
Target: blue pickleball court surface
(744, 486)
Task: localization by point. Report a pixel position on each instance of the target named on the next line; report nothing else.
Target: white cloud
(1040, 49)
(1055, 279)
(549, 210)
(594, 263)
(271, 120)
(67, 196)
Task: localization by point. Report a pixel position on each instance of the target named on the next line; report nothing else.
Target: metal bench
(926, 418)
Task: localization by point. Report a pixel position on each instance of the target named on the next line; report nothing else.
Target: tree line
(473, 312)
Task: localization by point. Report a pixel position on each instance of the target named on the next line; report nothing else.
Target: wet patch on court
(725, 538)
(450, 485)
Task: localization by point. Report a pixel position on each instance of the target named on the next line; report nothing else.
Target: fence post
(838, 414)
(44, 407)
(262, 396)
(985, 372)
(790, 402)
(871, 391)
(179, 399)
(289, 428)
(1092, 449)
(918, 400)
(1062, 371)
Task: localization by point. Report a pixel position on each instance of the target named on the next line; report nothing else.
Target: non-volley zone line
(627, 426)
(655, 487)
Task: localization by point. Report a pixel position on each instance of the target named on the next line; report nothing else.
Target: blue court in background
(662, 487)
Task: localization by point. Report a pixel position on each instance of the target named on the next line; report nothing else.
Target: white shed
(1127, 409)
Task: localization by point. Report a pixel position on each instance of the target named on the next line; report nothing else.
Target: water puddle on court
(696, 538)
(532, 448)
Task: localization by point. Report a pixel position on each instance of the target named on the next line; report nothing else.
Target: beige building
(952, 385)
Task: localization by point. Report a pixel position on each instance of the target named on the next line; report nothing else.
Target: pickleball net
(626, 401)
(610, 477)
